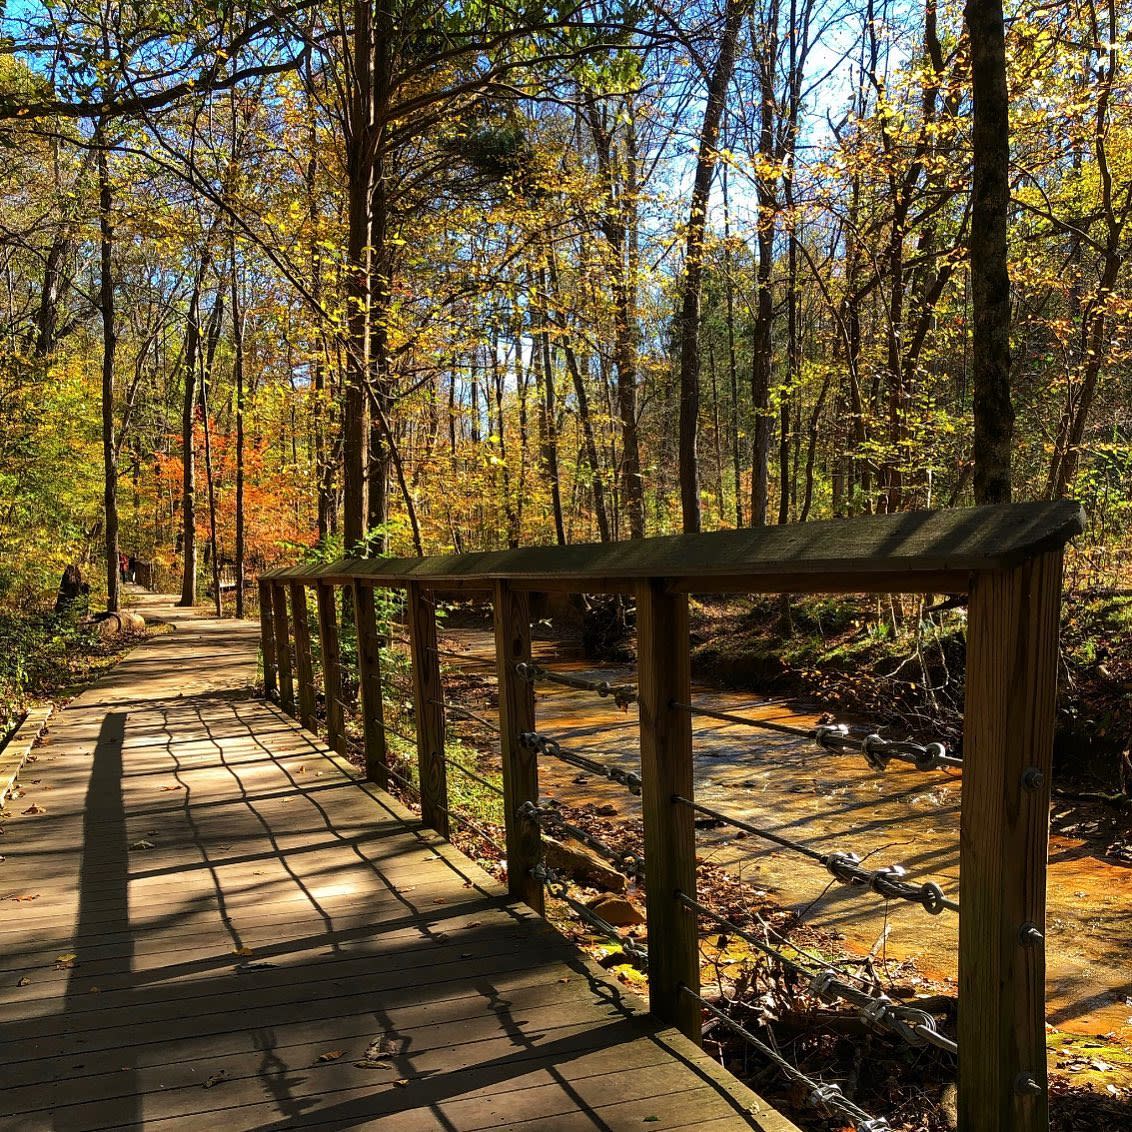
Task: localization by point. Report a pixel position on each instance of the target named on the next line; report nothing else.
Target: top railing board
(919, 550)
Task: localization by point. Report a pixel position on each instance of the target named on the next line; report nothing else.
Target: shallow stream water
(837, 801)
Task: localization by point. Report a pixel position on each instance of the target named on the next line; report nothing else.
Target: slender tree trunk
(360, 140)
(238, 377)
(762, 346)
(732, 362)
(990, 279)
(549, 414)
(211, 482)
(689, 319)
(109, 347)
(589, 440)
(188, 450)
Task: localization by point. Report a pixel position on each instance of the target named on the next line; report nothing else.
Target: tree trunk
(238, 376)
(188, 421)
(689, 319)
(549, 414)
(990, 280)
(359, 145)
(762, 346)
(109, 346)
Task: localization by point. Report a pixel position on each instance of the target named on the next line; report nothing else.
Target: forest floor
(905, 816)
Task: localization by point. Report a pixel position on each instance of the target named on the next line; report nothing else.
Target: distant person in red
(123, 565)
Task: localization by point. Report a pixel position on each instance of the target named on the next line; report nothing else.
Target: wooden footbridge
(211, 919)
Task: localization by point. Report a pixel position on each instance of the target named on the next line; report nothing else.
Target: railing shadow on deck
(142, 1016)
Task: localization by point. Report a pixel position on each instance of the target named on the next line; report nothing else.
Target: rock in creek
(577, 862)
(616, 910)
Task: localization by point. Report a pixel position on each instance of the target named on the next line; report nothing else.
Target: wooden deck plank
(276, 852)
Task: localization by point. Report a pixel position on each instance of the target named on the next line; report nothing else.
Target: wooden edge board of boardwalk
(14, 753)
(210, 920)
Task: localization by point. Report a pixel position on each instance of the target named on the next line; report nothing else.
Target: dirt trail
(836, 801)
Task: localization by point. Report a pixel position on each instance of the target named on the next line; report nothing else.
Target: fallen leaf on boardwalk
(217, 1079)
(143, 844)
(367, 1063)
(64, 962)
(34, 809)
(33, 896)
(300, 770)
(24, 982)
(402, 1082)
(331, 1055)
(243, 951)
(379, 1049)
(94, 990)
(178, 787)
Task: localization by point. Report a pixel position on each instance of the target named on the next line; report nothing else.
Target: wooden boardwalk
(210, 921)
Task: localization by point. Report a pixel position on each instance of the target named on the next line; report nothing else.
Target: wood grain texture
(304, 665)
(331, 667)
(512, 613)
(1012, 633)
(267, 641)
(428, 698)
(945, 545)
(663, 678)
(287, 918)
(369, 685)
(279, 623)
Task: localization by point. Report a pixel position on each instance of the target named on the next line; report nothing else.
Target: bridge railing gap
(1007, 560)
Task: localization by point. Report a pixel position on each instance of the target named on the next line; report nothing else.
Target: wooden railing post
(267, 641)
(520, 765)
(369, 685)
(331, 667)
(282, 648)
(663, 678)
(428, 693)
(304, 666)
(1012, 630)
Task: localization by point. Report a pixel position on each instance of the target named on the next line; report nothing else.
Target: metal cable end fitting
(874, 748)
(821, 985)
(826, 731)
(931, 756)
(932, 898)
(825, 1094)
(846, 867)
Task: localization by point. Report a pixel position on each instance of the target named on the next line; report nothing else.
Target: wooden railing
(1006, 560)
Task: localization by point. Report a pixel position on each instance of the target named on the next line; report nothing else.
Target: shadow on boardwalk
(212, 922)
